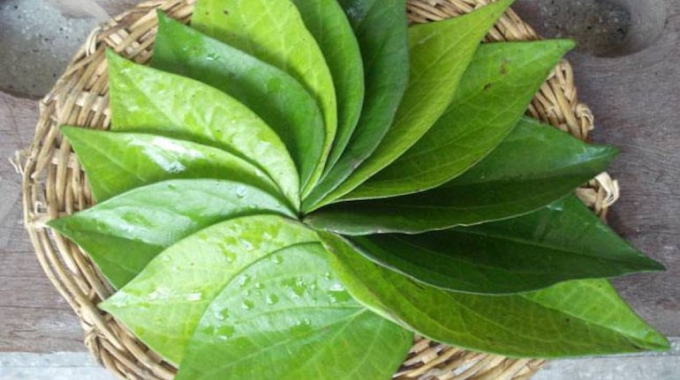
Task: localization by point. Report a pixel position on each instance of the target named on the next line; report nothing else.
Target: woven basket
(54, 185)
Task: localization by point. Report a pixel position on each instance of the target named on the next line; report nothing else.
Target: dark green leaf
(327, 22)
(439, 54)
(118, 162)
(290, 321)
(564, 241)
(273, 31)
(573, 318)
(124, 233)
(272, 94)
(148, 100)
(381, 29)
(479, 118)
(533, 167)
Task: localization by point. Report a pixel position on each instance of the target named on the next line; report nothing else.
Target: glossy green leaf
(118, 162)
(479, 118)
(380, 27)
(564, 241)
(143, 99)
(439, 53)
(124, 233)
(533, 167)
(327, 22)
(274, 31)
(572, 318)
(164, 303)
(292, 320)
(271, 93)
(261, 282)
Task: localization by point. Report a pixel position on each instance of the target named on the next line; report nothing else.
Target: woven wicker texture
(55, 185)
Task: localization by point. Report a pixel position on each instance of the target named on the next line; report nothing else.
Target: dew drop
(248, 305)
(272, 299)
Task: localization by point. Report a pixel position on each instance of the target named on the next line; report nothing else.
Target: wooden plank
(34, 317)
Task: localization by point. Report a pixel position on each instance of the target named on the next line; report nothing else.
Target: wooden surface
(636, 100)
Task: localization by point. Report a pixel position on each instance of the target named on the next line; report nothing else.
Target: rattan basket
(54, 185)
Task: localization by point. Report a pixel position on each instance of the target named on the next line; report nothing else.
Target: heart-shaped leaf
(479, 118)
(271, 93)
(273, 31)
(526, 253)
(439, 53)
(327, 22)
(262, 282)
(573, 318)
(380, 27)
(149, 100)
(118, 162)
(533, 167)
(292, 319)
(124, 233)
(165, 302)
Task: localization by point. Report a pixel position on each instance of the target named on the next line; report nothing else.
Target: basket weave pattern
(55, 185)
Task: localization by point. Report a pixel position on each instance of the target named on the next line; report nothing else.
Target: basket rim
(53, 185)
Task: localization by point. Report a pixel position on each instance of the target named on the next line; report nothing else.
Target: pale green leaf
(290, 320)
(271, 93)
(164, 303)
(118, 162)
(122, 234)
(143, 99)
(274, 31)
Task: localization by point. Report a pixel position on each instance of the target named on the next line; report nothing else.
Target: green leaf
(118, 162)
(327, 22)
(291, 321)
(148, 100)
(439, 54)
(533, 167)
(261, 282)
(479, 118)
(572, 318)
(564, 241)
(272, 94)
(124, 233)
(164, 303)
(380, 27)
(273, 31)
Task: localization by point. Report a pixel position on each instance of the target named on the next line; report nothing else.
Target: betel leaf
(118, 162)
(380, 27)
(533, 167)
(564, 241)
(479, 118)
(273, 31)
(124, 233)
(164, 303)
(327, 22)
(292, 319)
(573, 318)
(271, 93)
(439, 53)
(144, 99)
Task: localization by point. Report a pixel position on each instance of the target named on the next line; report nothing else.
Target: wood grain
(34, 317)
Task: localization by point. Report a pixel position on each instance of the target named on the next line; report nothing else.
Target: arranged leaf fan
(294, 188)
